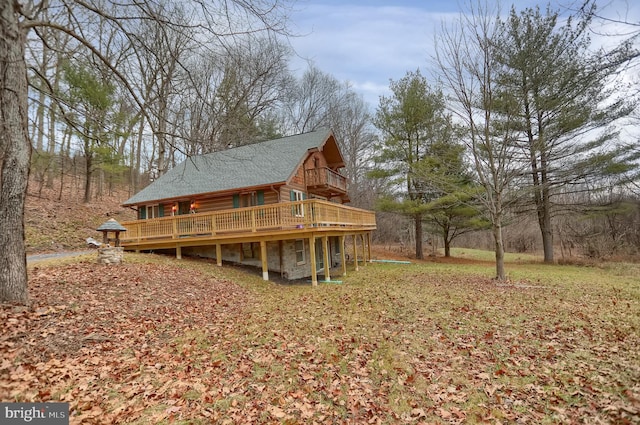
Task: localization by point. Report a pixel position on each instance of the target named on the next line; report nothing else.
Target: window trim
(152, 211)
(298, 195)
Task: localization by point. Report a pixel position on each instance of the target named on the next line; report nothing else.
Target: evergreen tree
(91, 99)
(561, 93)
(412, 121)
(454, 209)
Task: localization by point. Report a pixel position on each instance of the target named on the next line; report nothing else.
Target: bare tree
(351, 122)
(253, 76)
(213, 21)
(159, 72)
(46, 52)
(465, 55)
(310, 101)
(15, 153)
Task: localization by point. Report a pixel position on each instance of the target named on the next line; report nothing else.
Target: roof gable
(265, 163)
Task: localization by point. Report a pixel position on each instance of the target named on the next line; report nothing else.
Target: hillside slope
(59, 225)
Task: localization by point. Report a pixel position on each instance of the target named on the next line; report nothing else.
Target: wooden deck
(288, 220)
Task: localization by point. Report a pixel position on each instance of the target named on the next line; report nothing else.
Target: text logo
(34, 413)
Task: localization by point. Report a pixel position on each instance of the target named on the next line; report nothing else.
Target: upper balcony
(287, 220)
(325, 181)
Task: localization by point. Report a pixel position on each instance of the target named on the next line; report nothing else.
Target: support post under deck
(327, 262)
(265, 263)
(312, 253)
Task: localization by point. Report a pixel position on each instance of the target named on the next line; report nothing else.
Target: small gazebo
(111, 225)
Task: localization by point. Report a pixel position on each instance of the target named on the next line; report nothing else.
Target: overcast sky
(369, 42)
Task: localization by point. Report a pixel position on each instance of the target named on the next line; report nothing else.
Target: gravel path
(41, 257)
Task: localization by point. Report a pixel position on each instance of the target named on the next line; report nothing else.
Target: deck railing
(298, 215)
(326, 177)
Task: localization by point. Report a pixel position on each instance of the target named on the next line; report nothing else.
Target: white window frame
(299, 209)
(153, 211)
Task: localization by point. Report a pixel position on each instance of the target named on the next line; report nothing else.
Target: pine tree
(562, 94)
(412, 121)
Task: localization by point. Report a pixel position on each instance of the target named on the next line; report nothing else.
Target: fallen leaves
(91, 325)
(179, 341)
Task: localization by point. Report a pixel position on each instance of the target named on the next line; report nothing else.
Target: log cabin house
(278, 205)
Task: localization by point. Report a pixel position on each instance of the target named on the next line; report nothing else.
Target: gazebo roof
(111, 225)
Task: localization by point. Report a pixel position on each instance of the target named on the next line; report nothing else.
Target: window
(300, 255)
(184, 207)
(248, 200)
(153, 211)
(251, 250)
(298, 210)
(300, 251)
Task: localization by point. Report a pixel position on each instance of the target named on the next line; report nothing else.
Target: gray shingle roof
(262, 163)
(112, 225)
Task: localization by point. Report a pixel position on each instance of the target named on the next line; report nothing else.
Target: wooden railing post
(253, 221)
(264, 218)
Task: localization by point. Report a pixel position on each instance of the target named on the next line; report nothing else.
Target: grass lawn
(158, 340)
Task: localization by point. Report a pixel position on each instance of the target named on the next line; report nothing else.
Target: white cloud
(365, 45)
(369, 43)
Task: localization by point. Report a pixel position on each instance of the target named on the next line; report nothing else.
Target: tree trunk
(15, 155)
(418, 221)
(136, 148)
(162, 151)
(53, 116)
(88, 176)
(39, 127)
(100, 185)
(161, 136)
(547, 238)
(66, 141)
(446, 237)
(545, 215)
(497, 236)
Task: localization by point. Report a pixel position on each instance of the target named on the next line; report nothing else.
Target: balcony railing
(293, 216)
(325, 177)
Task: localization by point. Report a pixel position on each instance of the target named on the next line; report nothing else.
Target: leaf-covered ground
(53, 224)
(157, 340)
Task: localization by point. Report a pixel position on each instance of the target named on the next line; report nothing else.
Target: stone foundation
(110, 255)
